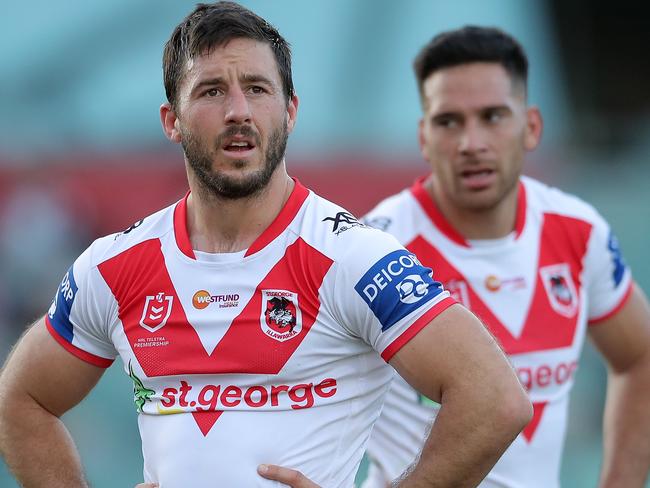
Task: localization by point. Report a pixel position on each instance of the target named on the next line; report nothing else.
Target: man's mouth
(238, 146)
(478, 179)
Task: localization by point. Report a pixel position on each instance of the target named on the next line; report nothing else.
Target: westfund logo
(395, 286)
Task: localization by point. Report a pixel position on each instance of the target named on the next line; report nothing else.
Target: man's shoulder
(339, 233)
(151, 227)
(548, 199)
(392, 213)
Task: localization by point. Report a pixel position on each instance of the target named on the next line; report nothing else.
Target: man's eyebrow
(218, 80)
(487, 108)
(446, 113)
(257, 78)
(502, 107)
(208, 82)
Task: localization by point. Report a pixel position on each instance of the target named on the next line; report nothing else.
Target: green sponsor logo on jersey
(141, 395)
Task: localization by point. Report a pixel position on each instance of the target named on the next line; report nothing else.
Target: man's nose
(238, 109)
(474, 139)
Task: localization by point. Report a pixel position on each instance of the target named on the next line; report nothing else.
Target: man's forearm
(626, 456)
(38, 448)
(463, 445)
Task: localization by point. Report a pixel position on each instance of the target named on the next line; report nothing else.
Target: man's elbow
(5, 415)
(5, 399)
(514, 410)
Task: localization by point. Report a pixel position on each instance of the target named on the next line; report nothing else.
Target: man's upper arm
(453, 350)
(42, 369)
(624, 338)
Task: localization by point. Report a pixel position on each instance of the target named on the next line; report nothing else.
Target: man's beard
(200, 159)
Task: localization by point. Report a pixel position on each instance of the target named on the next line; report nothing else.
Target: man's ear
(421, 139)
(292, 113)
(534, 127)
(169, 121)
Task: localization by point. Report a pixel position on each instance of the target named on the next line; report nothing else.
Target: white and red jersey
(276, 354)
(536, 289)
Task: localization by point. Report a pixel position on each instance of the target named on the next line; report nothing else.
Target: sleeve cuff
(416, 327)
(75, 351)
(602, 318)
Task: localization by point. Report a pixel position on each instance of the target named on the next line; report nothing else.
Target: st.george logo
(281, 318)
(156, 311)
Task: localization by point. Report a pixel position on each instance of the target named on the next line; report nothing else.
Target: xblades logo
(130, 228)
(344, 220)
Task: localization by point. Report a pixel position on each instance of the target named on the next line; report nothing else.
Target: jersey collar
(431, 209)
(298, 195)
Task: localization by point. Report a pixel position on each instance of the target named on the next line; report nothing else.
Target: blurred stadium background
(82, 153)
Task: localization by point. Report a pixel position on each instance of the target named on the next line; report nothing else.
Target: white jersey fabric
(536, 289)
(273, 355)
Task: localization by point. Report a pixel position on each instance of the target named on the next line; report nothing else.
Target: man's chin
(233, 168)
(481, 200)
(236, 185)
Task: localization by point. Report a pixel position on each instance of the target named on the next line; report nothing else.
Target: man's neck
(218, 225)
(476, 224)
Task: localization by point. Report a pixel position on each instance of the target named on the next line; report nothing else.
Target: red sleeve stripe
(75, 351)
(416, 327)
(615, 310)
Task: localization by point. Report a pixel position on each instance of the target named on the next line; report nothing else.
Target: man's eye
(446, 122)
(257, 89)
(493, 116)
(212, 92)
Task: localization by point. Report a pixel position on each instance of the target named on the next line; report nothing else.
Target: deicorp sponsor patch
(59, 313)
(617, 259)
(395, 286)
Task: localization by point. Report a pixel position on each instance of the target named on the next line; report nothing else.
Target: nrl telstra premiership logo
(157, 309)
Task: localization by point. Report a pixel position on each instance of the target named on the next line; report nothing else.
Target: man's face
(474, 133)
(232, 118)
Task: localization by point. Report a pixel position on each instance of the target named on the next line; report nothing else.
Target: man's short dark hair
(471, 44)
(213, 25)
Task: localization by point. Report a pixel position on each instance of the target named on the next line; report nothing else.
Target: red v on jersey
(245, 348)
(529, 430)
(562, 240)
(205, 420)
(544, 328)
(140, 272)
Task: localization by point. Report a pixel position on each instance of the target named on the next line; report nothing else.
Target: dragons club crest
(280, 318)
(560, 289)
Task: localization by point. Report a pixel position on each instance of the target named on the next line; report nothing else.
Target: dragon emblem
(141, 394)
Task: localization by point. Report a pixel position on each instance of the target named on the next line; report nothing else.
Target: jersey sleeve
(383, 293)
(78, 316)
(608, 278)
